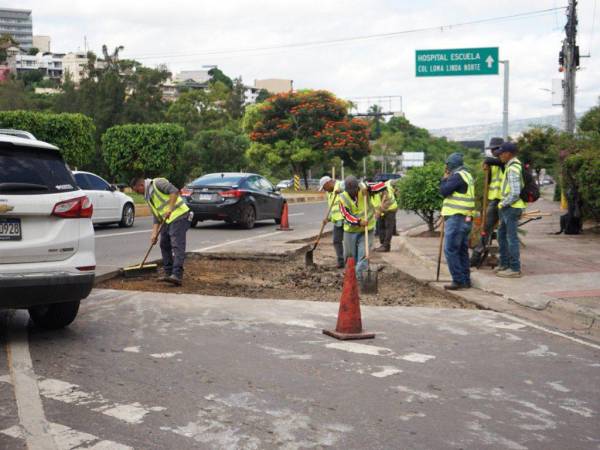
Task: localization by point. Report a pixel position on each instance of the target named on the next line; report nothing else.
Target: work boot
(175, 280)
(453, 286)
(382, 249)
(509, 273)
(500, 269)
(164, 277)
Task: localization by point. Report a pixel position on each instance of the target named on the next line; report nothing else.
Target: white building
(199, 76)
(250, 94)
(74, 64)
(42, 43)
(51, 64)
(275, 85)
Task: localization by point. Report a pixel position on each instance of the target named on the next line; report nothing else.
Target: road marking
(360, 348)
(386, 371)
(223, 244)
(295, 214)
(100, 236)
(29, 403)
(165, 355)
(555, 333)
(417, 357)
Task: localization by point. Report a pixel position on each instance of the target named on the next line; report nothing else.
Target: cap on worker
(507, 147)
(323, 181)
(495, 142)
(454, 161)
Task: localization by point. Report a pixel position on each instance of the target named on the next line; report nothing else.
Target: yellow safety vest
(457, 203)
(358, 210)
(515, 166)
(391, 195)
(335, 215)
(495, 186)
(159, 203)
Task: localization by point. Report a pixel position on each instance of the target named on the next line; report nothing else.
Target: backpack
(569, 224)
(531, 191)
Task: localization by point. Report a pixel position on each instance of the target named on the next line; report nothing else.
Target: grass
(138, 199)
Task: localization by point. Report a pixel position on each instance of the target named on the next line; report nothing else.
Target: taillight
(76, 208)
(185, 192)
(233, 193)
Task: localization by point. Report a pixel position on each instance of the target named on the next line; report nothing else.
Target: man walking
(333, 189)
(168, 209)
(511, 208)
(387, 209)
(458, 189)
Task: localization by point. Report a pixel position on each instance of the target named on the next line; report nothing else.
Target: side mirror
(276, 189)
(112, 188)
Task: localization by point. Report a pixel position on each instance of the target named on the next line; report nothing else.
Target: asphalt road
(119, 247)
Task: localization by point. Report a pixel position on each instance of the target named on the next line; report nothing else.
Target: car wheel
(128, 216)
(248, 217)
(55, 315)
(194, 223)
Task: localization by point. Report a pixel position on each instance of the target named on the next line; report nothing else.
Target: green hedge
(419, 192)
(72, 133)
(582, 171)
(143, 149)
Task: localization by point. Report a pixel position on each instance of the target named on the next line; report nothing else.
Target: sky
(185, 35)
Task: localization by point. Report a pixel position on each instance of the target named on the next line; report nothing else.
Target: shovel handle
(484, 203)
(151, 246)
(367, 225)
(323, 222)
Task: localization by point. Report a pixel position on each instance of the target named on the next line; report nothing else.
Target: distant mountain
(486, 131)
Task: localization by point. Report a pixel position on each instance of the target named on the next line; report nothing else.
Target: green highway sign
(457, 62)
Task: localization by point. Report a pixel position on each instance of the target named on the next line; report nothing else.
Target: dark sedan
(241, 198)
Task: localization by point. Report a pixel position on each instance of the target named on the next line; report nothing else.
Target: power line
(328, 42)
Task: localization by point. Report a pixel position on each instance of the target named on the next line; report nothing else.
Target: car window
(97, 183)
(254, 183)
(33, 171)
(82, 181)
(217, 179)
(265, 185)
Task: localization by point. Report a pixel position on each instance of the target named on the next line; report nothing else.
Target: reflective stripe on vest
(159, 203)
(513, 166)
(335, 215)
(495, 186)
(357, 209)
(458, 203)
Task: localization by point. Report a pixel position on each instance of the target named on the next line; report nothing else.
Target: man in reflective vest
(387, 207)
(353, 202)
(458, 189)
(333, 189)
(169, 209)
(511, 208)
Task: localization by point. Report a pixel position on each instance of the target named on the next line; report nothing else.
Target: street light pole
(505, 100)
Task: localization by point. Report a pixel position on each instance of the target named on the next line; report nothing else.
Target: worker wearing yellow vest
(353, 203)
(511, 208)
(169, 209)
(458, 189)
(333, 189)
(384, 200)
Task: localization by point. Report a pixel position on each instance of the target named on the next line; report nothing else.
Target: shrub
(419, 192)
(582, 172)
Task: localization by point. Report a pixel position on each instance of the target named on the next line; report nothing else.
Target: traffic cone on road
(349, 323)
(285, 223)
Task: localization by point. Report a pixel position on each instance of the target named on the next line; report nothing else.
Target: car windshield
(29, 170)
(217, 179)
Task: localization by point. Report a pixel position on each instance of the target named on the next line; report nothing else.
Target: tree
(536, 148)
(419, 192)
(12, 95)
(590, 120)
(145, 104)
(263, 94)
(33, 51)
(236, 99)
(220, 150)
(375, 112)
(217, 75)
(31, 77)
(6, 41)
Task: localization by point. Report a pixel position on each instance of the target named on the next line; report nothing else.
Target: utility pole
(505, 100)
(569, 61)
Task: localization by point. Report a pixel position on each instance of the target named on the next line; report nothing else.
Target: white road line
(556, 333)
(295, 214)
(29, 403)
(100, 236)
(223, 244)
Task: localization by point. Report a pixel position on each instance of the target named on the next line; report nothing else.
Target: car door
(101, 191)
(111, 197)
(254, 186)
(84, 183)
(273, 199)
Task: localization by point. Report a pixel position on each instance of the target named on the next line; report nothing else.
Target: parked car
(241, 198)
(47, 258)
(386, 176)
(110, 205)
(285, 184)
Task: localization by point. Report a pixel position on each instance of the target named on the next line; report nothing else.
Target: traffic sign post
(457, 62)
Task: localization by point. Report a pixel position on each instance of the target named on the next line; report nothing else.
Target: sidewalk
(561, 275)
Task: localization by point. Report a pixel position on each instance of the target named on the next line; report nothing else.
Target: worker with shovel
(171, 219)
(359, 222)
(387, 206)
(333, 189)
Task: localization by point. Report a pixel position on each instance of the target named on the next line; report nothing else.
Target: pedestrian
(386, 207)
(458, 189)
(510, 210)
(353, 202)
(168, 209)
(495, 170)
(333, 189)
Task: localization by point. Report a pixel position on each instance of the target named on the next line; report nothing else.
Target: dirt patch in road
(289, 279)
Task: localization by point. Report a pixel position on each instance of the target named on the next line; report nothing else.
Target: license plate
(10, 229)
(205, 197)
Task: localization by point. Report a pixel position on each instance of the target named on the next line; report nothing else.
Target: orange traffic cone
(349, 323)
(285, 223)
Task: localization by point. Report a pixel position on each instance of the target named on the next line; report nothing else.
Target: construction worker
(353, 201)
(333, 189)
(172, 217)
(386, 206)
(495, 171)
(458, 189)
(511, 208)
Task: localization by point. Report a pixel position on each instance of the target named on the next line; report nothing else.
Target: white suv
(47, 259)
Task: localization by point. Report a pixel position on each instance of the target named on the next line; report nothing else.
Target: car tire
(127, 216)
(194, 223)
(248, 217)
(55, 315)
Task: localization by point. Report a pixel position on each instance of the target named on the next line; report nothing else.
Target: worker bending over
(333, 189)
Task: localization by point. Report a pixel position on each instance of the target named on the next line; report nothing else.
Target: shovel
(308, 256)
(142, 269)
(368, 281)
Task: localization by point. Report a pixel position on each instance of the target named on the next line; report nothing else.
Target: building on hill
(275, 85)
(17, 23)
(42, 43)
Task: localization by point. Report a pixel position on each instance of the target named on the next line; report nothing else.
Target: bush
(72, 133)
(220, 150)
(143, 149)
(419, 192)
(582, 173)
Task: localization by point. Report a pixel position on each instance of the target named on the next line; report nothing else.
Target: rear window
(216, 179)
(28, 170)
